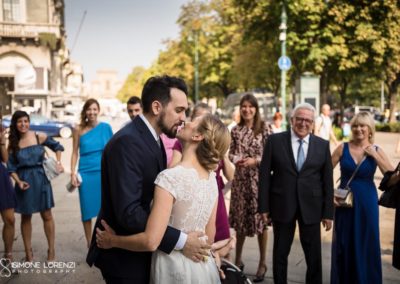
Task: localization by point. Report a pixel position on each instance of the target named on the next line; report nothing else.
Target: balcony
(22, 30)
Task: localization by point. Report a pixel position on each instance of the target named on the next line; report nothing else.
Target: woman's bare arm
(151, 238)
(210, 227)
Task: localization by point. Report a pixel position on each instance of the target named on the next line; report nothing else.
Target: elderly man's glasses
(301, 120)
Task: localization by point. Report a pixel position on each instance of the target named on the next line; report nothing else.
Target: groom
(130, 164)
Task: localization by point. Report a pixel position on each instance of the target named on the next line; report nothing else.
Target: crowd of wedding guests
(279, 179)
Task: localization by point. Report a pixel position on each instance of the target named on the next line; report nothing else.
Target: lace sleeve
(168, 182)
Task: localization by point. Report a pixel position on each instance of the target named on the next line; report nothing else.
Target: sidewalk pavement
(71, 245)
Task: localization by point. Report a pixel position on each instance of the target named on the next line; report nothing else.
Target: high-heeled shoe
(241, 266)
(51, 255)
(28, 256)
(6, 263)
(260, 276)
(6, 260)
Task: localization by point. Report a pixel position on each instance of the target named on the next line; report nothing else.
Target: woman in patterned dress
(247, 144)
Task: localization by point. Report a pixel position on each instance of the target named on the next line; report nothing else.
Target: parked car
(351, 111)
(43, 124)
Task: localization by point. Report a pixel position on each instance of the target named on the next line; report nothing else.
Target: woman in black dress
(7, 200)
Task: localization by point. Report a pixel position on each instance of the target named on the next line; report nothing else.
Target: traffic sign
(284, 63)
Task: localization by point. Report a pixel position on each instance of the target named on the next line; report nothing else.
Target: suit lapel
(311, 147)
(151, 142)
(163, 156)
(290, 149)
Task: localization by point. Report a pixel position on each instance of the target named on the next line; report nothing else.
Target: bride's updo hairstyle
(215, 143)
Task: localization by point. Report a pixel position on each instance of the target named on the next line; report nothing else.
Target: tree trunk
(342, 94)
(324, 87)
(393, 89)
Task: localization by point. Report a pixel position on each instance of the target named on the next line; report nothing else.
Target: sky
(119, 34)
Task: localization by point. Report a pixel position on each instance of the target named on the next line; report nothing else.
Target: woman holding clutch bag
(356, 253)
(89, 139)
(32, 188)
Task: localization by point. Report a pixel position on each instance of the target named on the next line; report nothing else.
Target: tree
(342, 41)
(132, 85)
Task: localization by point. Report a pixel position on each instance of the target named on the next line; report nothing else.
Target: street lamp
(284, 63)
(196, 66)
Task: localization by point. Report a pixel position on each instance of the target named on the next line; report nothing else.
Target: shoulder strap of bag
(45, 154)
(355, 171)
(37, 138)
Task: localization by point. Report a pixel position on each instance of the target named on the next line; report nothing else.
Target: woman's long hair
(15, 136)
(258, 124)
(88, 103)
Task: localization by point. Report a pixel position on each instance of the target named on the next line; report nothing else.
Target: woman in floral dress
(247, 144)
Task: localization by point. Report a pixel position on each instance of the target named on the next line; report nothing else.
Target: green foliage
(351, 45)
(338, 132)
(388, 127)
(49, 40)
(133, 84)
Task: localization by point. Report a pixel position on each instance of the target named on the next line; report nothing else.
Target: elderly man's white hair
(303, 106)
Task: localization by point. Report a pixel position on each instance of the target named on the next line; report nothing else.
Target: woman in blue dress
(89, 139)
(8, 200)
(356, 253)
(32, 188)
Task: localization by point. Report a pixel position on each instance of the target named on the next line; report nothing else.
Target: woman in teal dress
(89, 139)
(32, 188)
(356, 253)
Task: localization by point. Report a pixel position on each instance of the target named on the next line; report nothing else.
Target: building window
(37, 11)
(11, 10)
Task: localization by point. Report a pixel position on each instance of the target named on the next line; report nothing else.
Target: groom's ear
(156, 107)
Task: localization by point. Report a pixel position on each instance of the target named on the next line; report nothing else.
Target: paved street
(71, 247)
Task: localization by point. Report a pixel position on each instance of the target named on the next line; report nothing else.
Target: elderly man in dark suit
(296, 184)
(131, 161)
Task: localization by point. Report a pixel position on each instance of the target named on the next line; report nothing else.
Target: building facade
(33, 54)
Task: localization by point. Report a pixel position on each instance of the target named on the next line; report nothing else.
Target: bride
(185, 198)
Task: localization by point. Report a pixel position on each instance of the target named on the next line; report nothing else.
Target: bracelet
(58, 162)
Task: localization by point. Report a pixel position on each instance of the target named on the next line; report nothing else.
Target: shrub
(388, 127)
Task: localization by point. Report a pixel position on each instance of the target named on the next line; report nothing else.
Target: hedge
(388, 127)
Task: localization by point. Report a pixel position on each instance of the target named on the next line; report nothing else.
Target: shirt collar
(150, 127)
(295, 138)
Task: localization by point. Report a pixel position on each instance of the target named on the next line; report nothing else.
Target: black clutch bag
(390, 196)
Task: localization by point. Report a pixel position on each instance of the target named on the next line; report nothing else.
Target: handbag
(49, 163)
(70, 187)
(50, 168)
(344, 196)
(390, 196)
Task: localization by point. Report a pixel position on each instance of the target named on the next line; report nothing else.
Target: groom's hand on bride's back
(196, 248)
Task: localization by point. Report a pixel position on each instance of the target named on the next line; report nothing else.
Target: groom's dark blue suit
(130, 164)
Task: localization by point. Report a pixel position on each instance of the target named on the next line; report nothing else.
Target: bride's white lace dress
(194, 202)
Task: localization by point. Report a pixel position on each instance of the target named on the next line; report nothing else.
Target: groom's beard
(170, 132)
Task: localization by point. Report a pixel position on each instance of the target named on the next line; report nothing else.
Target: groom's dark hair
(158, 88)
